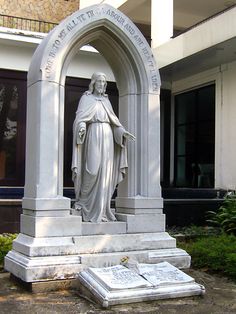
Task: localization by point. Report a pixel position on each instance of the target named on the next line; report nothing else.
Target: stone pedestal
(51, 257)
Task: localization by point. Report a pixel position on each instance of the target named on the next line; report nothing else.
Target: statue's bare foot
(104, 219)
(77, 206)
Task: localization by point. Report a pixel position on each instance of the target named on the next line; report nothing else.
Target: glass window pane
(12, 127)
(8, 136)
(206, 103)
(195, 138)
(206, 142)
(185, 108)
(185, 171)
(185, 139)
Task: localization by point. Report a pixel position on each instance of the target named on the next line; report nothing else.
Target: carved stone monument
(118, 284)
(53, 244)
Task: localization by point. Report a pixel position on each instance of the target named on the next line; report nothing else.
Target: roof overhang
(209, 44)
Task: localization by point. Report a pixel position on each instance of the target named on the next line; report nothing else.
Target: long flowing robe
(99, 159)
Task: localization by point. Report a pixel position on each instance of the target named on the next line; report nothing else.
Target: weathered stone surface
(89, 228)
(163, 274)
(179, 258)
(139, 202)
(118, 285)
(108, 243)
(32, 256)
(117, 277)
(42, 268)
(175, 256)
(143, 222)
(50, 226)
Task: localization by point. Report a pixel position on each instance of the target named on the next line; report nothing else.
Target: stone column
(45, 211)
(139, 202)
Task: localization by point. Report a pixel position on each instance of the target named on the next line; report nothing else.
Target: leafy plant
(215, 253)
(225, 216)
(192, 232)
(6, 240)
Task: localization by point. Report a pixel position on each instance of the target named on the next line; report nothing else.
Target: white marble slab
(118, 278)
(120, 285)
(163, 274)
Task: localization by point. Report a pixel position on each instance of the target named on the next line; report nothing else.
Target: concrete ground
(220, 298)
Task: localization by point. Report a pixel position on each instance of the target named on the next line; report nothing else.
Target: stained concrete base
(54, 258)
(46, 286)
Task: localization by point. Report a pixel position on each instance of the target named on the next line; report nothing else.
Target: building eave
(208, 44)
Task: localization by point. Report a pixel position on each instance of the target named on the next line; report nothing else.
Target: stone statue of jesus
(99, 160)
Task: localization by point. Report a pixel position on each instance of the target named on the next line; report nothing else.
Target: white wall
(15, 55)
(227, 177)
(86, 63)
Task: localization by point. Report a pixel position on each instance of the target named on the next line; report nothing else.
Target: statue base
(52, 258)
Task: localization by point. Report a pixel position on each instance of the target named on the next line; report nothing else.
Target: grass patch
(6, 240)
(193, 232)
(213, 253)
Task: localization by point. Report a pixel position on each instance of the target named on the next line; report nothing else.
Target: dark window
(195, 138)
(12, 127)
(165, 121)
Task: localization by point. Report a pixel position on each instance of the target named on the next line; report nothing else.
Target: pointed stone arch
(138, 81)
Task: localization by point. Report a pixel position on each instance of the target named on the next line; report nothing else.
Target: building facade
(194, 46)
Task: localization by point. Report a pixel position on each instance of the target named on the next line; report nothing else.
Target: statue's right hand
(74, 174)
(81, 135)
(81, 132)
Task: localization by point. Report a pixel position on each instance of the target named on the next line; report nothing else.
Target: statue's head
(98, 81)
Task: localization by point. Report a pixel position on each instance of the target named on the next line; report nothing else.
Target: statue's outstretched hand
(129, 136)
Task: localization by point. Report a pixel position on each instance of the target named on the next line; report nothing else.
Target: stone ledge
(50, 246)
(177, 257)
(9, 202)
(50, 226)
(28, 269)
(143, 223)
(139, 202)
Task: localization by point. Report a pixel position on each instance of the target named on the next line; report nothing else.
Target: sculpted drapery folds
(99, 160)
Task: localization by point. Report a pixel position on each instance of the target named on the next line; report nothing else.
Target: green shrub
(6, 240)
(216, 253)
(225, 216)
(193, 231)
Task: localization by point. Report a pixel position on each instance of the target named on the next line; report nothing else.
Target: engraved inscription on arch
(75, 23)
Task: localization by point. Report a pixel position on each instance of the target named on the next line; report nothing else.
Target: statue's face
(99, 85)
